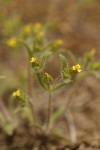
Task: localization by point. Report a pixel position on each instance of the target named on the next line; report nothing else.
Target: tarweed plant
(33, 38)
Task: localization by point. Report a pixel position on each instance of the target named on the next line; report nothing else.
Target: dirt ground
(86, 113)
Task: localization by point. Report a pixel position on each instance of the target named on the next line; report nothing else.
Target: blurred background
(77, 23)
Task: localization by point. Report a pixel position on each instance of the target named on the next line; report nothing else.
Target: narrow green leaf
(41, 81)
(56, 115)
(57, 87)
(60, 85)
(63, 61)
(44, 59)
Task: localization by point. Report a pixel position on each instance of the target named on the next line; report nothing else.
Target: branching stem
(49, 111)
(30, 81)
(29, 89)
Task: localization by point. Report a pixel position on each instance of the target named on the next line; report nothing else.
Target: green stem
(30, 80)
(29, 90)
(34, 113)
(49, 110)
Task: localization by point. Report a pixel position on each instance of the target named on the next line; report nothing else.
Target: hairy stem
(30, 80)
(29, 89)
(34, 113)
(49, 110)
(5, 111)
(71, 125)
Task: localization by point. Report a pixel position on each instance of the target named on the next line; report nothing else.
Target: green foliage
(56, 115)
(33, 38)
(64, 62)
(39, 51)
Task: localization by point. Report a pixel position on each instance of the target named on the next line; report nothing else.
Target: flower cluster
(16, 93)
(37, 26)
(27, 29)
(35, 63)
(58, 42)
(12, 42)
(33, 60)
(76, 68)
(47, 78)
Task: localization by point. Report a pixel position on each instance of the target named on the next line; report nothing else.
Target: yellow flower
(41, 33)
(27, 28)
(58, 42)
(47, 78)
(46, 74)
(77, 68)
(38, 26)
(12, 42)
(33, 59)
(17, 93)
